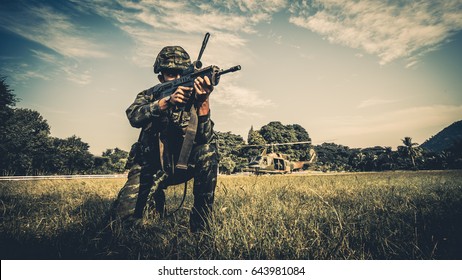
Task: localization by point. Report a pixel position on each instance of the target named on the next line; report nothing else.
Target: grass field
(392, 215)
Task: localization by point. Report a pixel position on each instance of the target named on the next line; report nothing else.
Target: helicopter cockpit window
(257, 158)
(278, 164)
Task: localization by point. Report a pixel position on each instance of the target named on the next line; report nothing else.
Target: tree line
(408, 156)
(331, 156)
(26, 148)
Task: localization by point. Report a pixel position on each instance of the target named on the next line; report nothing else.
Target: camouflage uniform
(154, 156)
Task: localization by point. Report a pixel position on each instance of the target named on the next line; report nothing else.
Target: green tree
(231, 154)
(357, 160)
(117, 159)
(73, 155)
(333, 157)
(255, 138)
(250, 134)
(256, 144)
(410, 150)
(7, 102)
(24, 143)
(300, 151)
(373, 159)
(386, 159)
(26, 147)
(227, 165)
(276, 132)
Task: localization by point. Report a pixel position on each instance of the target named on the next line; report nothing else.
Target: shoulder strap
(188, 141)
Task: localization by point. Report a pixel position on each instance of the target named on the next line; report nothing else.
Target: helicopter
(277, 163)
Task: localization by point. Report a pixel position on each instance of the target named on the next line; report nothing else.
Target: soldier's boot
(205, 180)
(159, 199)
(199, 217)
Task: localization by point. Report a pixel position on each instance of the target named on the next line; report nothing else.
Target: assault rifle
(189, 75)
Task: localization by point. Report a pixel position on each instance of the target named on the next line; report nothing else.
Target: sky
(357, 73)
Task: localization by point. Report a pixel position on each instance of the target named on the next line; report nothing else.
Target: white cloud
(68, 43)
(52, 29)
(34, 74)
(76, 76)
(238, 97)
(70, 68)
(154, 24)
(390, 30)
(20, 73)
(374, 102)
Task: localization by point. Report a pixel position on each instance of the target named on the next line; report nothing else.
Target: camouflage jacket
(169, 126)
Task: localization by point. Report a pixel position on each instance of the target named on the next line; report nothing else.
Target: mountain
(444, 139)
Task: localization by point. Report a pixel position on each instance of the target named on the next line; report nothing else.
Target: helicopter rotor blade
(278, 144)
(290, 143)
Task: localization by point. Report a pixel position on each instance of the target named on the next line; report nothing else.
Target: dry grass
(395, 215)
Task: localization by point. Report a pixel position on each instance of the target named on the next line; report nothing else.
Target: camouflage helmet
(172, 57)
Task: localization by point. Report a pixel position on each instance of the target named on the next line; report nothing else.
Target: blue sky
(357, 73)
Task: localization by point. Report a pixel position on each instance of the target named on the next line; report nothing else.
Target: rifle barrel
(232, 69)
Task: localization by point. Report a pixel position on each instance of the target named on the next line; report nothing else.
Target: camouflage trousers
(147, 183)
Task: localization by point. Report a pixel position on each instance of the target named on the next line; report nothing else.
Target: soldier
(163, 126)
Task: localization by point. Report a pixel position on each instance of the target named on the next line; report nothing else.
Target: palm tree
(410, 150)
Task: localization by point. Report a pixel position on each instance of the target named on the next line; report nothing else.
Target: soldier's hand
(181, 95)
(203, 87)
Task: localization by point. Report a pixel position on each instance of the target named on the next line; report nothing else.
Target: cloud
(66, 43)
(69, 67)
(374, 102)
(235, 96)
(52, 29)
(21, 74)
(388, 29)
(154, 24)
